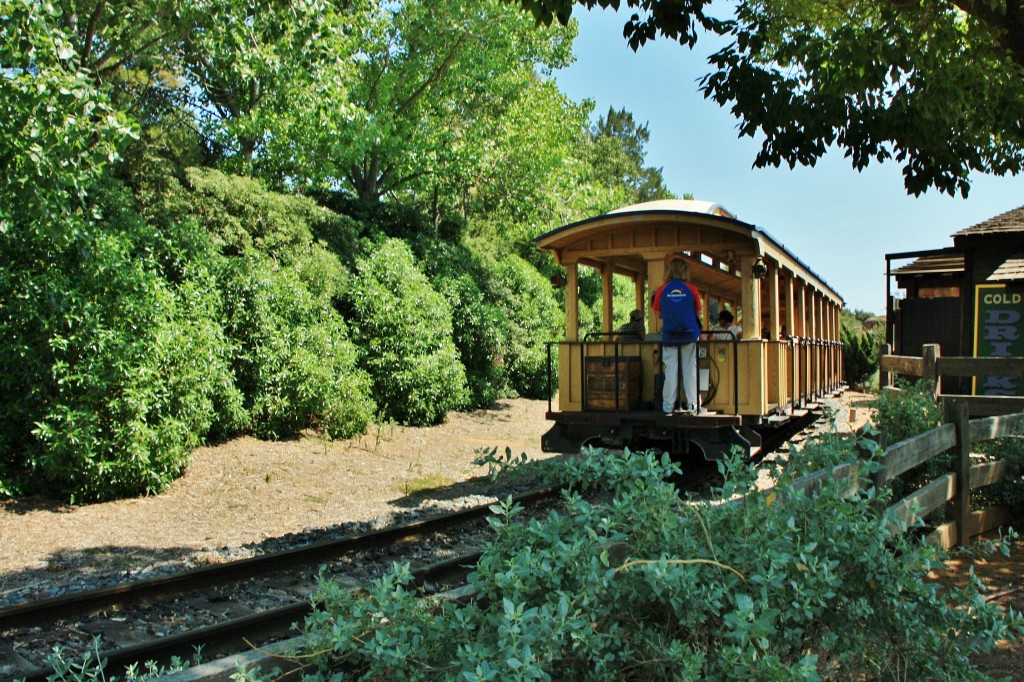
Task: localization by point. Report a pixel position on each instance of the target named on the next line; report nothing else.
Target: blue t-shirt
(678, 313)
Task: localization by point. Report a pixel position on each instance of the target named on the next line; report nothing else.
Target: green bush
(403, 328)
(901, 413)
(783, 586)
(479, 332)
(383, 219)
(113, 373)
(908, 410)
(294, 361)
(241, 214)
(911, 410)
(479, 327)
(860, 354)
(1009, 492)
(534, 318)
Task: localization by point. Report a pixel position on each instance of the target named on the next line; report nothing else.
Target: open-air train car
(787, 357)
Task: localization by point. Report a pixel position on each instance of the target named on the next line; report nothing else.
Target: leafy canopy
(935, 86)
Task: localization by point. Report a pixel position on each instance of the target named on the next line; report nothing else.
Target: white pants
(682, 357)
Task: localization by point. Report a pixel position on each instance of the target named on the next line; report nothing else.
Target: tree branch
(99, 69)
(438, 72)
(1008, 22)
(90, 31)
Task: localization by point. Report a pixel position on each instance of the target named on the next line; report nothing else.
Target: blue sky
(838, 221)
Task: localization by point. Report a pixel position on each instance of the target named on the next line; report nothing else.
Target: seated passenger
(725, 325)
(634, 329)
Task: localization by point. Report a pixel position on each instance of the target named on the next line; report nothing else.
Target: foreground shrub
(403, 328)
(783, 586)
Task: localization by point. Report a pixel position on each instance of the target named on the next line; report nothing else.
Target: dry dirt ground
(246, 491)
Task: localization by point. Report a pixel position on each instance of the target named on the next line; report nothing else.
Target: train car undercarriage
(711, 436)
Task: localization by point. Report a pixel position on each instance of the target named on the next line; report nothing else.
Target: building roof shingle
(1012, 270)
(1004, 223)
(933, 264)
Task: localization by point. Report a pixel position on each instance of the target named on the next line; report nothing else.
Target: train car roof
(678, 205)
(604, 233)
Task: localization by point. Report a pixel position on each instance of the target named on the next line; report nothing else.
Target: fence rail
(953, 488)
(934, 367)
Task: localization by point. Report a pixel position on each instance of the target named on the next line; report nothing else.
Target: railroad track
(241, 628)
(293, 571)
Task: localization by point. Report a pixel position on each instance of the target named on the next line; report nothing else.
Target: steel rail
(238, 634)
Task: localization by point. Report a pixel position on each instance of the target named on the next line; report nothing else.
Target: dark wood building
(968, 298)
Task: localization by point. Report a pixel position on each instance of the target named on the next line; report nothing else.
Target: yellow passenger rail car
(785, 359)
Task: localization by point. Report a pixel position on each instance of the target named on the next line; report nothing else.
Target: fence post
(883, 377)
(956, 412)
(931, 352)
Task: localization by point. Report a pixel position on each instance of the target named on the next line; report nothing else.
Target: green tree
(60, 132)
(260, 83)
(619, 150)
(270, 80)
(431, 75)
(935, 86)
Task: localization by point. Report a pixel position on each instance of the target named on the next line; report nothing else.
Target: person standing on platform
(678, 304)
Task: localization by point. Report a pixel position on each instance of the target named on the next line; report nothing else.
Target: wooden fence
(952, 489)
(934, 367)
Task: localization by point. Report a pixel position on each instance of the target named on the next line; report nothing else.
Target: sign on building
(997, 334)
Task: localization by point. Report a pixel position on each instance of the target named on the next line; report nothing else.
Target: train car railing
(592, 339)
(800, 371)
(604, 340)
(722, 336)
(626, 369)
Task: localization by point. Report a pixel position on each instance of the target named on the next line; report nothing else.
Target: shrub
(905, 412)
(1009, 492)
(534, 318)
(785, 586)
(479, 327)
(403, 328)
(860, 354)
(295, 363)
(293, 359)
(479, 331)
(127, 371)
(381, 220)
(241, 213)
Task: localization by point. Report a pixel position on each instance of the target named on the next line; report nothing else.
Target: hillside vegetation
(218, 221)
